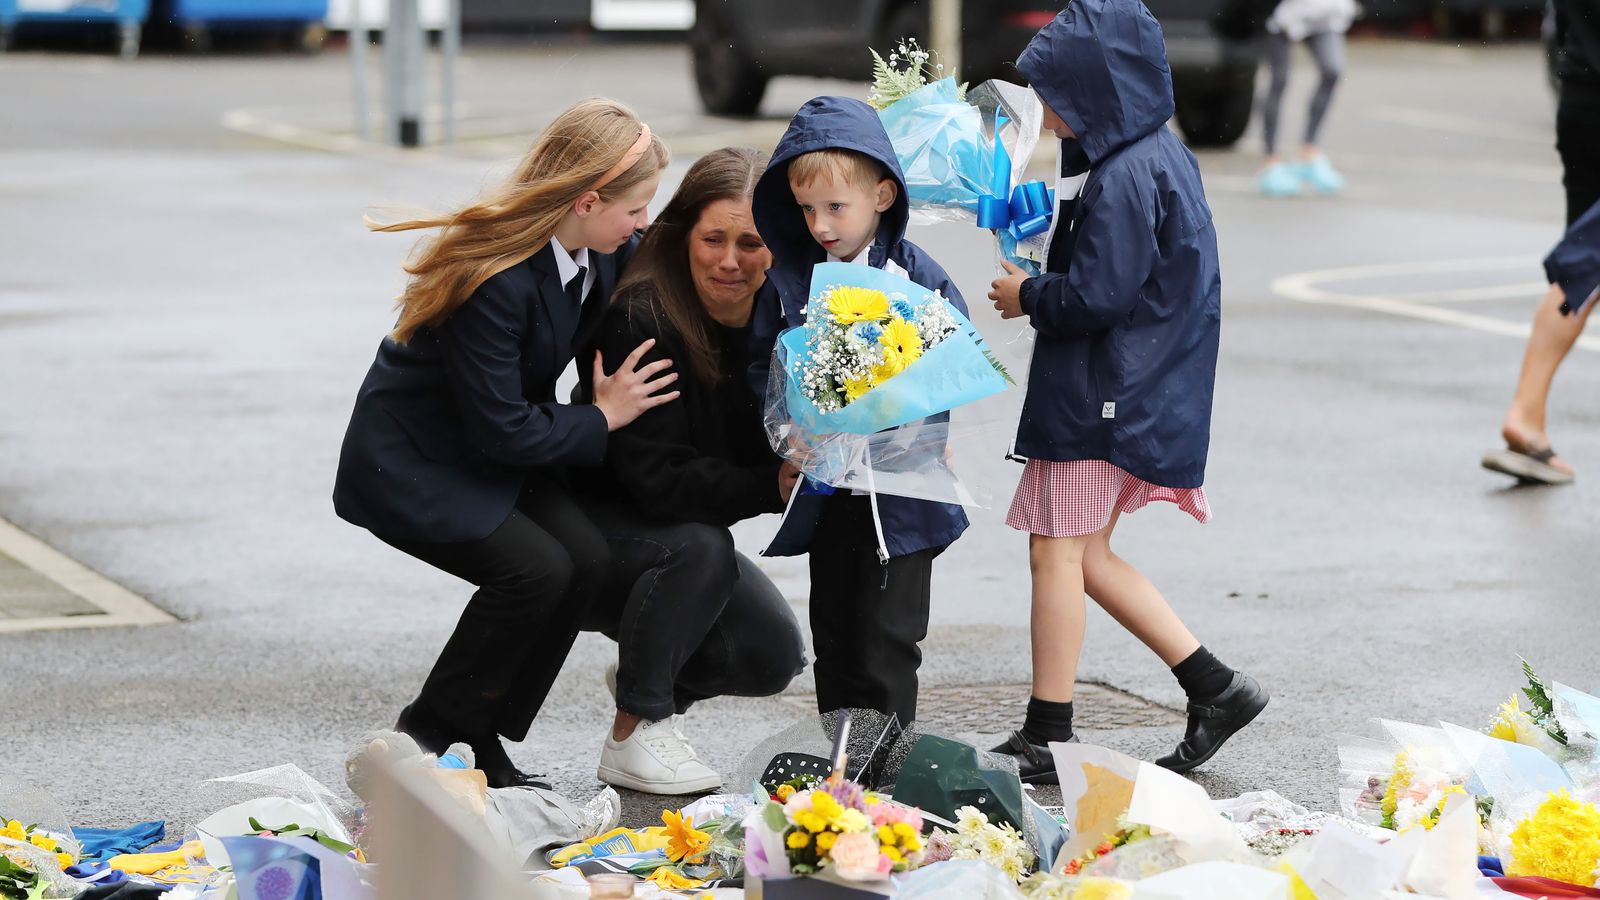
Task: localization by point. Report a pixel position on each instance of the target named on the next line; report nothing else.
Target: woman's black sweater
(703, 457)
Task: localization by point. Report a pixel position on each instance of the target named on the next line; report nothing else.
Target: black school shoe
(435, 736)
(1035, 763)
(1213, 722)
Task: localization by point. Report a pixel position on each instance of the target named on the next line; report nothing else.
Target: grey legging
(1327, 48)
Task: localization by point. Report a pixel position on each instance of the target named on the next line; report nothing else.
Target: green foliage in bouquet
(1544, 708)
(16, 882)
(908, 69)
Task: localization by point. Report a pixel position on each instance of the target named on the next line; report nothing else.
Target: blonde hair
(517, 218)
(847, 166)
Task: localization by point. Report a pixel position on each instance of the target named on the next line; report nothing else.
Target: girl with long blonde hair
(455, 450)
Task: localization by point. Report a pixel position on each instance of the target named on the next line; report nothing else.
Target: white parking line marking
(1306, 287)
(122, 606)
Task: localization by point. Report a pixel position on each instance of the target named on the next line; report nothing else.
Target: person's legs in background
(1327, 49)
(1278, 178)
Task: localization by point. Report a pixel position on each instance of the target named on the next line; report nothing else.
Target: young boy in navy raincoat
(833, 191)
(1118, 413)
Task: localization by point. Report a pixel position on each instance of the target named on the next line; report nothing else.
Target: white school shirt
(567, 267)
(862, 259)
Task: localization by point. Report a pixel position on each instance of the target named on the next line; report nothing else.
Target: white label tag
(1108, 411)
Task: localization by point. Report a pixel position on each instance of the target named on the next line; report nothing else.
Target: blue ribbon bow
(1023, 212)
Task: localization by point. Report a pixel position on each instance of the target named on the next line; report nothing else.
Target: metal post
(393, 57)
(358, 65)
(450, 47)
(945, 34)
(405, 27)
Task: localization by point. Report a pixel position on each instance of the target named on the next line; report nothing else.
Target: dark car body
(1214, 46)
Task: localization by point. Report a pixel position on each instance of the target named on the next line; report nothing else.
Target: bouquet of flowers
(976, 837)
(1559, 840)
(836, 828)
(962, 151)
(877, 352)
(27, 854)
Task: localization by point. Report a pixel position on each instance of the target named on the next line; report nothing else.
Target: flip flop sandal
(1527, 465)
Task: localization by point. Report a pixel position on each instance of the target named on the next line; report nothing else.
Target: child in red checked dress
(1118, 413)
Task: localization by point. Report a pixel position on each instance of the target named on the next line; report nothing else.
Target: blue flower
(866, 332)
(903, 308)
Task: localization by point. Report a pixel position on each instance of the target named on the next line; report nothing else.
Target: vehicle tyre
(1217, 117)
(729, 82)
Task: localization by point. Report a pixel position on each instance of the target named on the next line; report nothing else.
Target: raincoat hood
(1102, 66)
(823, 123)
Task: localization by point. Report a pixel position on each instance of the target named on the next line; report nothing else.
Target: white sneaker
(656, 759)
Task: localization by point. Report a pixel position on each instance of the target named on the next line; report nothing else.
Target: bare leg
(1057, 622)
(1553, 338)
(623, 725)
(1134, 601)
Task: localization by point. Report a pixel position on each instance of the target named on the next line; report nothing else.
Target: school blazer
(446, 426)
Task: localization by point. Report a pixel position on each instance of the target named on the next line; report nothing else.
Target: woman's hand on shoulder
(627, 393)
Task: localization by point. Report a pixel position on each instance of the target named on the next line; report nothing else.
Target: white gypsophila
(934, 321)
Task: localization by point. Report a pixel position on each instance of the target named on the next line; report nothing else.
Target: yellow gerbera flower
(850, 305)
(685, 843)
(670, 879)
(855, 387)
(901, 344)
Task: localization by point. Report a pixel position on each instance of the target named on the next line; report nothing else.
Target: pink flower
(892, 813)
(855, 857)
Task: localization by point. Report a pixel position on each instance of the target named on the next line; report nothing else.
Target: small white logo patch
(1108, 411)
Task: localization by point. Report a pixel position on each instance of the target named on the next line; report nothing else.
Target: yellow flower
(825, 840)
(905, 832)
(42, 842)
(1104, 889)
(901, 344)
(785, 791)
(684, 842)
(1398, 781)
(892, 853)
(65, 859)
(15, 831)
(850, 305)
(885, 834)
(1502, 726)
(853, 820)
(1561, 840)
(825, 806)
(670, 879)
(855, 387)
(810, 821)
(798, 840)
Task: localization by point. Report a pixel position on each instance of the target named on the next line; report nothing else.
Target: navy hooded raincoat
(1128, 311)
(838, 123)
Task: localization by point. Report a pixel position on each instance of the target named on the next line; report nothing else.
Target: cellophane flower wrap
(963, 153)
(858, 395)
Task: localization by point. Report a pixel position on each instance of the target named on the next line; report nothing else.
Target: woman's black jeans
(692, 617)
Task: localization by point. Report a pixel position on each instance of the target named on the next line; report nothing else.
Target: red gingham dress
(1071, 499)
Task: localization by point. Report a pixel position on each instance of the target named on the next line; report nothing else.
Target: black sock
(1047, 721)
(1202, 676)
